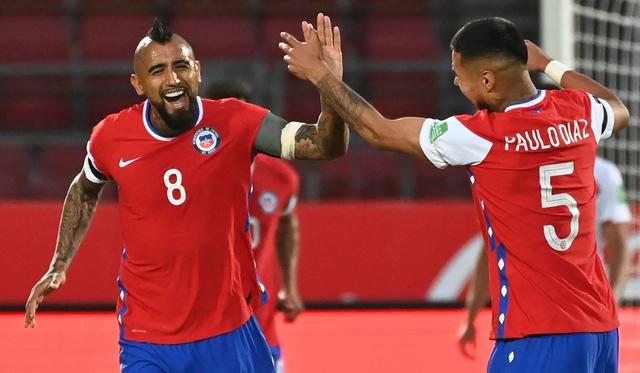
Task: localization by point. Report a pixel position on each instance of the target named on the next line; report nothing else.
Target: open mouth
(175, 94)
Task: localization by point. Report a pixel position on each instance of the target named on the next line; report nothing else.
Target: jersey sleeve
(602, 119)
(94, 166)
(252, 116)
(450, 143)
(611, 193)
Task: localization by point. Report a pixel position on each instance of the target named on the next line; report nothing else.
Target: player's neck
(522, 90)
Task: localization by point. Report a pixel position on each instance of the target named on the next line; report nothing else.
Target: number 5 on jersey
(175, 187)
(561, 199)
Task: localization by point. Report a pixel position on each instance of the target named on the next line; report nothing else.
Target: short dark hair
(228, 89)
(490, 37)
(159, 31)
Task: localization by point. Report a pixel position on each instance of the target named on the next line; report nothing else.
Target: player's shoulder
(119, 121)
(276, 169)
(569, 96)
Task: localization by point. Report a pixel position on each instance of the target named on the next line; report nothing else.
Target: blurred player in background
(183, 168)
(612, 231)
(530, 156)
(274, 230)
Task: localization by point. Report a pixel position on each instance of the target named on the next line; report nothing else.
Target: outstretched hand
(47, 284)
(318, 54)
(538, 59)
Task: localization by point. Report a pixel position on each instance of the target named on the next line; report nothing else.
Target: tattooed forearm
(79, 208)
(345, 101)
(307, 143)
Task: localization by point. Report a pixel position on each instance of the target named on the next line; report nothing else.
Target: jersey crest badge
(268, 202)
(206, 140)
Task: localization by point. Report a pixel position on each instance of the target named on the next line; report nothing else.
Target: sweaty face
(469, 79)
(169, 76)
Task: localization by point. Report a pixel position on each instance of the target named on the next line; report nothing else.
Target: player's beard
(181, 120)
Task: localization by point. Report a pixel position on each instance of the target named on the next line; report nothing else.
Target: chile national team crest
(268, 202)
(206, 140)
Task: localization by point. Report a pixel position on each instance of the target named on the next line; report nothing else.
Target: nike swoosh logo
(123, 164)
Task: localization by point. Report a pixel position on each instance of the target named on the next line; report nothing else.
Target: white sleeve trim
(293, 202)
(601, 114)
(450, 143)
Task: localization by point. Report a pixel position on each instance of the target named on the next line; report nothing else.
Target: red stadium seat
(108, 94)
(406, 94)
(431, 182)
(401, 37)
(111, 38)
(301, 101)
(33, 39)
(55, 169)
(218, 37)
(36, 103)
(14, 171)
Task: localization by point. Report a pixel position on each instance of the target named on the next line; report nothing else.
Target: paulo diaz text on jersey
(187, 267)
(275, 191)
(531, 170)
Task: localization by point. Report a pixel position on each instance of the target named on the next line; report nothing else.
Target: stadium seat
(401, 37)
(14, 171)
(301, 101)
(432, 183)
(108, 94)
(33, 39)
(36, 103)
(54, 170)
(405, 94)
(218, 37)
(111, 38)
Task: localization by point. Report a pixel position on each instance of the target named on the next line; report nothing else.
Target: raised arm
(400, 135)
(77, 213)
(539, 61)
(329, 137)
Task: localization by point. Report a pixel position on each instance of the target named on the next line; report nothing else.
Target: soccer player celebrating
(274, 230)
(612, 228)
(530, 155)
(182, 165)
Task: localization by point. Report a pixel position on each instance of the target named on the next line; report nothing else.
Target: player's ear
(198, 71)
(488, 80)
(135, 82)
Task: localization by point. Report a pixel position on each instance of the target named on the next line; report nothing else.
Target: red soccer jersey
(275, 190)
(187, 268)
(531, 173)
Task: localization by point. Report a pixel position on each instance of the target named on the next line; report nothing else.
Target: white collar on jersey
(535, 100)
(152, 131)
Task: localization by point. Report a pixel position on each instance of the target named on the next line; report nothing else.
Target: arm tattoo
(306, 143)
(344, 100)
(78, 211)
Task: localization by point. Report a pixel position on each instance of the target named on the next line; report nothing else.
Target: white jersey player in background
(612, 231)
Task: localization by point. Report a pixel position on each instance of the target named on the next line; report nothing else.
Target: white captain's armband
(602, 119)
(449, 143)
(288, 139)
(91, 171)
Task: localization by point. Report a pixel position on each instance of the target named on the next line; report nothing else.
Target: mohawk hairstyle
(159, 31)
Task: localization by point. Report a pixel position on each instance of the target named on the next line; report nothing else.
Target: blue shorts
(243, 350)
(574, 353)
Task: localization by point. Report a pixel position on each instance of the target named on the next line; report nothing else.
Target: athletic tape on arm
(288, 139)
